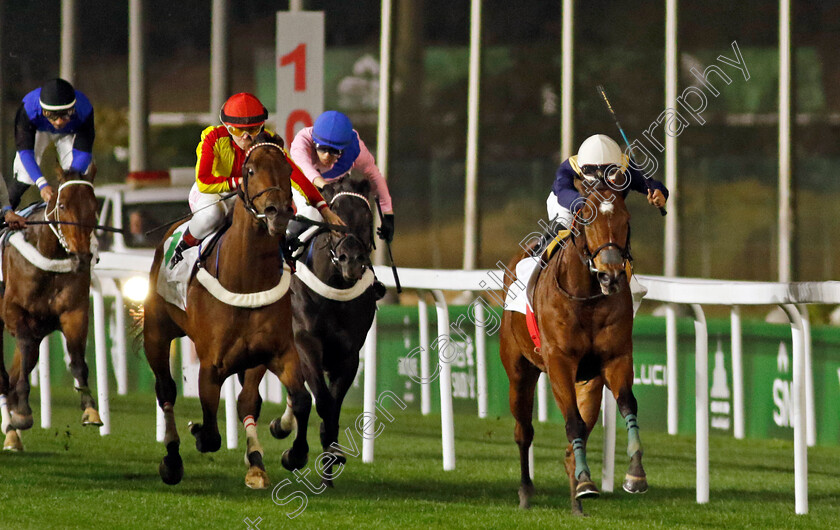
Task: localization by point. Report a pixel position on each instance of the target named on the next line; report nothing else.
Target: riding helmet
(333, 129)
(57, 94)
(243, 110)
(599, 150)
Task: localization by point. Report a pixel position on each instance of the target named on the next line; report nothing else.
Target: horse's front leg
(288, 369)
(311, 353)
(339, 385)
(561, 372)
(207, 437)
(74, 325)
(26, 357)
(248, 407)
(619, 375)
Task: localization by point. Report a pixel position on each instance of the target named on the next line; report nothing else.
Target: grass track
(70, 477)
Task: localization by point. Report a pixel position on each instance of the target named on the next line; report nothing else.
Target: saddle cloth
(172, 283)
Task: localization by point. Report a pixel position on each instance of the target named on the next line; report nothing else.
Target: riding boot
(188, 241)
(294, 231)
(16, 191)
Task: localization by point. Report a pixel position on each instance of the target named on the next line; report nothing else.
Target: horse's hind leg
(74, 325)
(589, 404)
(619, 375)
(248, 406)
(523, 378)
(158, 333)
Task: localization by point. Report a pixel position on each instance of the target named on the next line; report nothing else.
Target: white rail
(693, 292)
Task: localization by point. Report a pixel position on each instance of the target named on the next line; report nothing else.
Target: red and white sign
(300, 71)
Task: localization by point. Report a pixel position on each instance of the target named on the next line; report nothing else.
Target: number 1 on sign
(298, 58)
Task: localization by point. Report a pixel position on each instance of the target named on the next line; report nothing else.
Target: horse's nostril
(343, 258)
(270, 211)
(603, 278)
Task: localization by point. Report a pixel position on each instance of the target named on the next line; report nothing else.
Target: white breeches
(63, 146)
(557, 213)
(310, 212)
(208, 217)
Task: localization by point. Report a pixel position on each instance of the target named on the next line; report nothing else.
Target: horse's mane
(346, 183)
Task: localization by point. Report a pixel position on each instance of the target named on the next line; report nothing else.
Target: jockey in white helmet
(599, 156)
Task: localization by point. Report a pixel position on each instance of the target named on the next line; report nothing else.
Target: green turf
(70, 477)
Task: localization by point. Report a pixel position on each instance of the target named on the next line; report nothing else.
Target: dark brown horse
(334, 306)
(46, 269)
(585, 316)
(230, 336)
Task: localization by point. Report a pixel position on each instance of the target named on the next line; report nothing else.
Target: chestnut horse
(232, 336)
(584, 314)
(334, 307)
(46, 269)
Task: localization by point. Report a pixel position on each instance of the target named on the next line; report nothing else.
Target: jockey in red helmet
(221, 155)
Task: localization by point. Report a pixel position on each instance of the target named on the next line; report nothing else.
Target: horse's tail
(135, 330)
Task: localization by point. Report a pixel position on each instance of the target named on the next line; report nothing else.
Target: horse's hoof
(256, 479)
(525, 494)
(277, 430)
(13, 442)
(91, 417)
(635, 484)
(290, 464)
(586, 489)
(171, 468)
(20, 421)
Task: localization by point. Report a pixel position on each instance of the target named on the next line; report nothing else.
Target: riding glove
(386, 231)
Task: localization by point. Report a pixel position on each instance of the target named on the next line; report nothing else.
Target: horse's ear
(361, 186)
(266, 136)
(91, 175)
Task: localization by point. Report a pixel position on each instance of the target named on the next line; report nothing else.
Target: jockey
(55, 113)
(596, 156)
(330, 149)
(221, 155)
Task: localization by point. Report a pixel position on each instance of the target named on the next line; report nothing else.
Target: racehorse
(584, 314)
(46, 269)
(238, 314)
(334, 305)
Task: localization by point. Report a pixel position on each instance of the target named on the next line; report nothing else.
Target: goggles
(601, 171)
(329, 150)
(53, 115)
(242, 131)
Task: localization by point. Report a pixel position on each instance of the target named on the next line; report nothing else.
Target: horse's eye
(251, 171)
(61, 207)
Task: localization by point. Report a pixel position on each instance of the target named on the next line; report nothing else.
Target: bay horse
(584, 313)
(334, 305)
(46, 269)
(231, 337)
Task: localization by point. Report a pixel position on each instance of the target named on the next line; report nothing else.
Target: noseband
(56, 213)
(248, 200)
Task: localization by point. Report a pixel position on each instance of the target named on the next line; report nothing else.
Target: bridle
(348, 235)
(587, 257)
(56, 228)
(247, 199)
